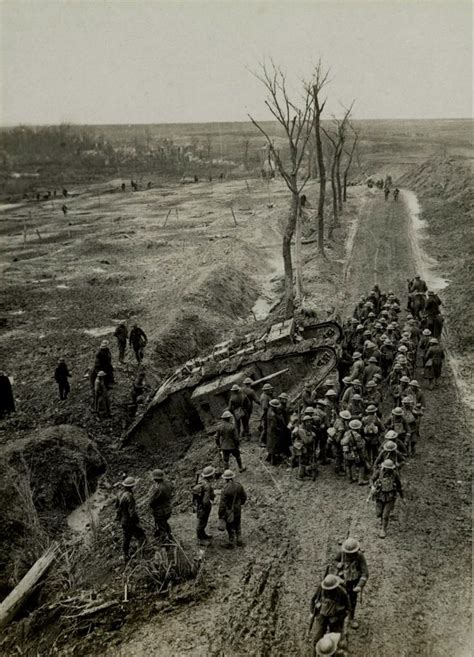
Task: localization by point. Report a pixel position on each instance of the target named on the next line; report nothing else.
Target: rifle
(316, 602)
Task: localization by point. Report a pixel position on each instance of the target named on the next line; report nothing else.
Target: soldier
(433, 362)
(7, 401)
(252, 398)
(121, 334)
(372, 429)
(101, 395)
(353, 449)
(341, 425)
(307, 396)
(424, 343)
(356, 406)
(354, 388)
(128, 517)
(331, 396)
(203, 497)
(330, 606)
(265, 398)
(138, 387)
(410, 420)
(61, 375)
(357, 369)
(275, 432)
(371, 368)
(398, 424)
(103, 362)
(286, 430)
(227, 440)
(138, 341)
(239, 406)
(160, 504)
(303, 448)
(352, 569)
(415, 391)
(233, 497)
(386, 485)
(373, 394)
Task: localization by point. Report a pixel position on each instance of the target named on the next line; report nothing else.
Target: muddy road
(417, 600)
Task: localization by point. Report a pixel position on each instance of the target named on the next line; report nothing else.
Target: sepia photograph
(236, 328)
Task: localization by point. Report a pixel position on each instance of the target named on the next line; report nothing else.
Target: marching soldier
(265, 398)
(330, 606)
(233, 497)
(128, 517)
(352, 568)
(203, 497)
(386, 487)
(160, 504)
(227, 440)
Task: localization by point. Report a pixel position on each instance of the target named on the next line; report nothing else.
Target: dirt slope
(260, 606)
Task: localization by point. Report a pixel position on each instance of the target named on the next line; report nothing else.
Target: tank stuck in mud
(192, 399)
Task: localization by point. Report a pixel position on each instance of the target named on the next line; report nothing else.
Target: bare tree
(334, 154)
(320, 79)
(245, 146)
(350, 155)
(296, 123)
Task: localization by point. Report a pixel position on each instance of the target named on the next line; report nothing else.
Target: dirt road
(418, 597)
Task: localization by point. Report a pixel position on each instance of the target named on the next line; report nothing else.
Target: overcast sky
(113, 61)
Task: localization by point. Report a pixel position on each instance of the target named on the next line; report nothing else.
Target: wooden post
(233, 214)
(24, 231)
(248, 186)
(177, 215)
(166, 220)
(39, 234)
(20, 594)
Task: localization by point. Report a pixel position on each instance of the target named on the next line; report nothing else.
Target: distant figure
(138, 341)
(210, 178)
(196, 179)
(148, 185)
(121, 333)
(64, 209)
(396, 192)
(7, 402)
(65, 193)
(38, 196)
(123, 187)
(138, 387)
(101, 396)
(221, 176)
(103, 362)
(386, 192)
(61, 375)
(54, 193)
(303, 200)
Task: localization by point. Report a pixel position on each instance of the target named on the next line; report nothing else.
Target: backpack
(387, 484)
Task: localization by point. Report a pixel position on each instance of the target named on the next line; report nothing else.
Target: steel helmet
(331, 393)
(101, 374)
(226, 415)
(326, 647)
(248, 381)
(267, 386)
(356, 397)
(414, 383)
(309, 410)
(402, 349)
(235, 388)
(322, 402)
(356, 382)
(426, 332)
(405, 379)
(345, 415)
(371, 409)
(433, 341)
(228, 474)
(360, 327)
(208, 471)
(354, 320)
(407, 400)
(391, 435)
(389, 446)
(129, 482)
(104, 344)
(275, 403)
(367, 332)
(355, 424)
(356, 354)
(307, 417)
(371, 384)
(388, 464)
(346, 380)
(350, 545)
(331, 431)
(377, 376)
(397, 411)
(330, 582)
(372, 359)
(283, 396)
(158, 475)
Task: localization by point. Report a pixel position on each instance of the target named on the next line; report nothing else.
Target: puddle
(99, 331)
(426, 263)
(86, 516)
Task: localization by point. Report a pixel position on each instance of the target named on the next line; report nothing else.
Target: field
(194, 264)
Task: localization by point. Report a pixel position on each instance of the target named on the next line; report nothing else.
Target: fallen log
(22, 591)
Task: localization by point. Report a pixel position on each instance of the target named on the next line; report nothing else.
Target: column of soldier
(343, 424)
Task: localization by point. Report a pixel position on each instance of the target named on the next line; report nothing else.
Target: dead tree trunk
(348, 166)
(287, 259)
(298, 250)
(335, 211)
(318, 109)
(338, 178)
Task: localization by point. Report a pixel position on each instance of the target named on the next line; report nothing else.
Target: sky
(114, 61)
